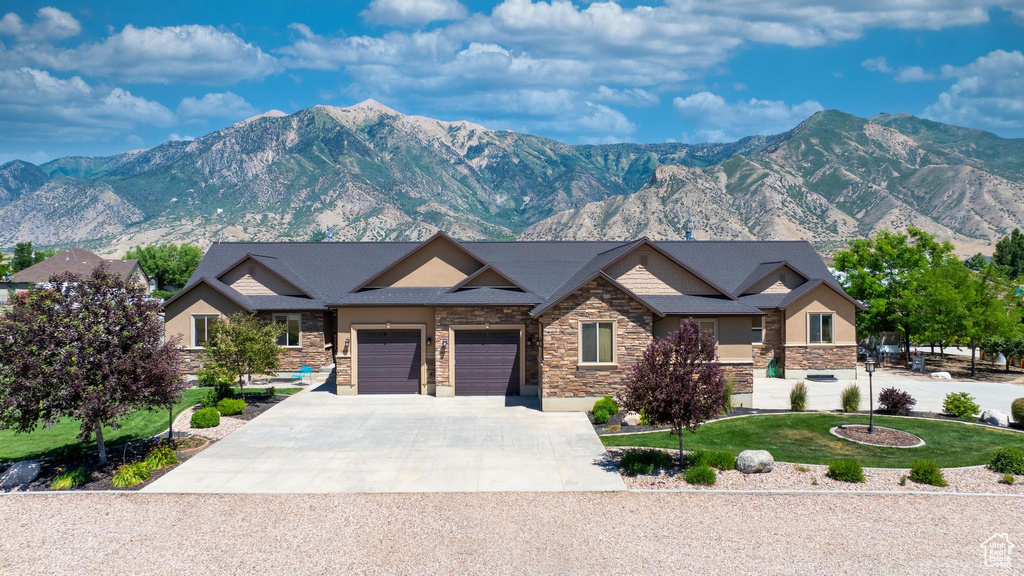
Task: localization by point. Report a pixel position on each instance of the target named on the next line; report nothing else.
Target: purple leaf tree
(89, 348)
(678, 381)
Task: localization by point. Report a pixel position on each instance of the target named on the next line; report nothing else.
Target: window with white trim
(820, 331)
(597, 342)
(757, 330)
(201, 329)
(290, 337)
(711, 325)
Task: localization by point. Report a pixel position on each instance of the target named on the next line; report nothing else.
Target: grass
(805, 438)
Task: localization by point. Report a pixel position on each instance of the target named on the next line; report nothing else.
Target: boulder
(19, 474)
(941, 376)
(631, 419)
(755, 462)
(995, 418)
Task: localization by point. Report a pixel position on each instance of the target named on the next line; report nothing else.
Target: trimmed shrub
(895, 402)
(850, 398)
(701, 476)
(231, 406)
(1008, 461)
(927, 472)
(1008, 479)
(71, 478)
(798, 397)
(131, 475)
(161, 456)
(1017, 410)
(645, 461)
(730, 388)
(958, 404)
(601, 415)
(720, 459)
(205, 418)
(609, 404)
(845, 470)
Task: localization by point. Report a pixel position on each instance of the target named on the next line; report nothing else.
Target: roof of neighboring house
(76, 261)
(545, 272)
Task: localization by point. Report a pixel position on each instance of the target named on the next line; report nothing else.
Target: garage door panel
(389, 361)
(487, 362)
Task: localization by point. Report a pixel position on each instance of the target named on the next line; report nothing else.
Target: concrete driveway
(317, 441)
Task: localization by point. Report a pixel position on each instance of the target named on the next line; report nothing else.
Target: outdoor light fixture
(429, 340)
(869, 367)
(444, 343)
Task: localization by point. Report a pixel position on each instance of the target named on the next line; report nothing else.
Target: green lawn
(805, 438)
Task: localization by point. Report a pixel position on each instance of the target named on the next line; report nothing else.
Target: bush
(71, 478)
(161, 456)
(720, 459)
(601, 415)
(231, 406)
(1017, 410)
(131, 475)
(645, 461)
(1008, 461)
(730, 388)
(845, 470)
(895, 402)
(701, 475)
(798, 397)
(968, 418)
(850, 398)
(609, 404)
(927, 472)
(210, 399)
(205, 418)
(1008, 479)
(959, 404)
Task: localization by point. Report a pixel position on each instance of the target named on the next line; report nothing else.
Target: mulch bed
(881, 437)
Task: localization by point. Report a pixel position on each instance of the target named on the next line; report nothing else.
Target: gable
(254, 279)
(647, 271)
(488, 278)
(438, 264)
(780, 281)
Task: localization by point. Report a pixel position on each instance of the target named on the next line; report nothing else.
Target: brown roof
(75, 260)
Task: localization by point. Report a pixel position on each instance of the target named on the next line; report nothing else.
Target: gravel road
(502, 533)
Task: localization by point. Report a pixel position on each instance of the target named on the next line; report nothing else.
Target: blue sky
(89, 78)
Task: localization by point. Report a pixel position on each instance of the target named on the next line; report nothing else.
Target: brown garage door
(388, 361)
(487, 362)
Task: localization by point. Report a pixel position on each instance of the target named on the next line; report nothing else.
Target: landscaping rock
(631, 419)
(19, 474)
(995, 418)
(941, 376)
(755, 462)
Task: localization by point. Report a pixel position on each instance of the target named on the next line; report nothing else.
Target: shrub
(205, 418)
(968, 418)
(701, 475)
(720, 459)
(161, 456)
(850, 398)
(1017, 410)
(927, 472)
(210, 399)
(71, 478)
(903, 480)
(269, 392)
(1008, 461)
(644, 461)
(231, 406)
(730, 388)
(1008, 479)
(220, 382)
(798, 397)
(601, 415)
(958, 404)
(895, 402)
(609, 404)
(845, 470)
(131, 475)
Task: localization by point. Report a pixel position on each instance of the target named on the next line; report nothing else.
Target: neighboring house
(560, 320)
(73, 260)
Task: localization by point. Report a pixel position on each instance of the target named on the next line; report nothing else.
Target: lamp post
(869, 366)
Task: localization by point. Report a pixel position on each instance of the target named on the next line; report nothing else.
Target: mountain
(367, 172)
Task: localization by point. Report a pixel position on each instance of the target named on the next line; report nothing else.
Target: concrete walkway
(317, 441)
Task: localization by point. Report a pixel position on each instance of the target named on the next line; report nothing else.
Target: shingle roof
(692, 304)
(76, 261)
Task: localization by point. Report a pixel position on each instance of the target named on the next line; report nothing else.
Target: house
(74, 260)
(560, 320)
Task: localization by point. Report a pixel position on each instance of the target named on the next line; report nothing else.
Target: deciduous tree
(170, 264)
(1010, 254)
(24, 256)
(244, 345)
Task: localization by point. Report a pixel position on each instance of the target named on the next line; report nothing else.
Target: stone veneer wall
(821, 357)
(742, 376)
(774, 345)
(193, 360)
(312, 352)
(598, 300)
(481, 315)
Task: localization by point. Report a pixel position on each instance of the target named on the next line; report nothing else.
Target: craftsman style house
(74, 261)
(560, 320)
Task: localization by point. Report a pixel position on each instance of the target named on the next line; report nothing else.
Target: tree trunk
(682, 459)
(973, 358)
(100, 446)
(933, 347)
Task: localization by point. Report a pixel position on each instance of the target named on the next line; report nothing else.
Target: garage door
(486, 362)
(388, 361)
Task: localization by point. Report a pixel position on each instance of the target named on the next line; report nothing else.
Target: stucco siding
(437, 264)
(821, 299)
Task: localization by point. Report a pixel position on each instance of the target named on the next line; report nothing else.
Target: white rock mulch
(227, 425)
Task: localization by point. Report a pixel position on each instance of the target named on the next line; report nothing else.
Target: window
(821, 328)
(757, 330)
(201, 329)
(597, 342)
(709, 325)
(290, 337)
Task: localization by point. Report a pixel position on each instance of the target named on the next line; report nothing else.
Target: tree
(24, 256)
(678, 381)
(4, 266)
(994, 311)
(86, 348)
(244, 345)
(977, 262)
(1010, 254)
(170, 264)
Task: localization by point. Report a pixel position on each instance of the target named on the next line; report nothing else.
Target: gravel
(503, 533)
(228, 424)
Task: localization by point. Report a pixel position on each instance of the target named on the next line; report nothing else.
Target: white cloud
(413, 12)
(903, 74)
(226, 105)
(713, 119)
(50, 24)
(175, 137)
(878, 64)
(988, 93)
(626, 97)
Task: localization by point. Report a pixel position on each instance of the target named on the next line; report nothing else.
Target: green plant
(205, 418)
(967, 418)
(69, 479)
(231, 406)
(720, 459)
(130, 475)
(814, 481)
(701, 475)
(1017, 410)
(609, 404)
(850, 398)
(161, 456)
(927, 472)
(1008, 479)
(646, 461)
(845, 470)
(801, 468)
(210, 399)
(730, 388)
(903, 480)
(798, 397)
(1008, 461)
(601, 415)
(645, 420)
(959, 404)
